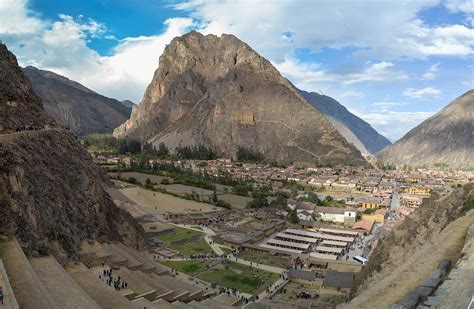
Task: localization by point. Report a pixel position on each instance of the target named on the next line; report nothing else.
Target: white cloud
(386, 105)
(431, 73)
(384, 29)
(61, 46)
(16, 20)
(464, 6)
(394, 125)
(422, 94)
(310, 73)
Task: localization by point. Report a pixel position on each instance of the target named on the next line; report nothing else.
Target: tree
(294, 217)
(369, 211)
(241, 189)
(259, 201)
(249, 155)
(214, 197)
(162, 151)
(148, 184)
(279, 202)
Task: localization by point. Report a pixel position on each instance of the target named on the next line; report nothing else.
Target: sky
(393, 63)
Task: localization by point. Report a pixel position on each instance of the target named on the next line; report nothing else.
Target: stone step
(161, 290)
(104, 295)
(140, 288)
(28, 289)
(148, 264)
(143, 303)
(62, 288)
(131, 262)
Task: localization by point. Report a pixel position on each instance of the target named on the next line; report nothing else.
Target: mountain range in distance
(75, 106)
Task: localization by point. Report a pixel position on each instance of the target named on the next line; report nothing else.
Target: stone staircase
(44, 283)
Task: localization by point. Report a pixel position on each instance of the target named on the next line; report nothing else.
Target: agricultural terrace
(193, 247)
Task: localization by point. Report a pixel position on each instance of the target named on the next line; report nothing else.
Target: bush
(223, 204)
(369, 211)
(132, 180)
(165, 181)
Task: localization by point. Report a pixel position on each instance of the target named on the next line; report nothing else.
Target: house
(304, 214)
(373, 217)
(338, 281)
(336, 215)
(373, 202)
(363, 226)
(302, 274)
(410, 201)
(418, 190)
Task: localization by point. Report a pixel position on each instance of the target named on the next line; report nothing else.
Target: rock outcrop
(219, 92)
(355, 130)
(76, 106)
(445, 138)
(50, 191)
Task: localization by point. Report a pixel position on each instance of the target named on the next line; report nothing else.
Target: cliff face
(50, 190)
(76, 106)
(445, 138)
(355, 130)
(19, 104)
(219, 92)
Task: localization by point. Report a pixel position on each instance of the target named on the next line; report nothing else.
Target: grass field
(243, 278)
(187, 249)
(188, 267)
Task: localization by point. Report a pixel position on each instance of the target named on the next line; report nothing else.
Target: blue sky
(392, 63)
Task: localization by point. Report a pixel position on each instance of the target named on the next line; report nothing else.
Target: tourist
(1, 294)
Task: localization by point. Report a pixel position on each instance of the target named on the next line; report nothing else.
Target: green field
(188, 267)
(187, 249)
(241, 277)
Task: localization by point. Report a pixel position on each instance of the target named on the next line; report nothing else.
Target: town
(284, 234)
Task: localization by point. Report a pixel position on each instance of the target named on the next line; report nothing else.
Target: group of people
(117, 283)
(235, 293)
(30, 128)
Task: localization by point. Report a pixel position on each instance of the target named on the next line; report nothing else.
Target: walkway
(9, 300)
(29, 291)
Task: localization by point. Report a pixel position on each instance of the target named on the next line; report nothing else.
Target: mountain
(51, 193)
(76, 106)
(219, 92)
(354, 129)
(445, 138)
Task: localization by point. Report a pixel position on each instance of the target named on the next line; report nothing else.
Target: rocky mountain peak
(217, 91)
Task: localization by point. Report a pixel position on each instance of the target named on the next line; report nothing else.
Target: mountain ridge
(76, 106)
(354, 129)
(447, 138)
